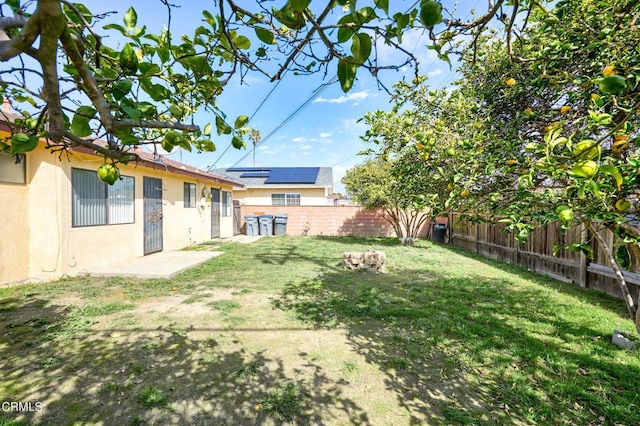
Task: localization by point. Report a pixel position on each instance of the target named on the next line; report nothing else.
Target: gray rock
(619, 339)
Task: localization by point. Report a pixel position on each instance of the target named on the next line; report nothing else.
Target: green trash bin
(266, 224)
(280, 224)
(251, 225)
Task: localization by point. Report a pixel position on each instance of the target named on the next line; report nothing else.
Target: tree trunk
(631, 307)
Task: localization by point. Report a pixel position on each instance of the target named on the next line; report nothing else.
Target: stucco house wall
(14, 239)
(39, 242)
(262, 196)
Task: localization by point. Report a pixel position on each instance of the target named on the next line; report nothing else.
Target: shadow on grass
(157, 376)
(475, 350)
(585, 295)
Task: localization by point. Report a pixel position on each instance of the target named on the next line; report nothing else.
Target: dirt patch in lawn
(214, 356)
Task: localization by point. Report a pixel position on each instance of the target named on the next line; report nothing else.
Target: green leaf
(129, 139)
(238, 143)
(299, 5)
(21, 143)
(241, 121)
(131, 18)
(346, 73)
(265, 35)
(157, 92)
(121, 88)
(186, 144)
(86, 13)
(242, 42)
(205, 145)
(366, 14)
(347, 28)
(623, 258)
(132, 113)
(80, 122)
(149, 69)
(115, 27)
(361, 47)
(207, 129)
(222, 126)
(614, 172)
(382, 4)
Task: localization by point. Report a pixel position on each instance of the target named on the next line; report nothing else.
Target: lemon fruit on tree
(430, 13)
(108, 173)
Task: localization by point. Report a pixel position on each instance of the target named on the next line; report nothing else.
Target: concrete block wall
(330, 220)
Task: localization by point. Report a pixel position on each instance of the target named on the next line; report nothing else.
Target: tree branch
(10, 48)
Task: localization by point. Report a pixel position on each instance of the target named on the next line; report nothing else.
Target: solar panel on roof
(248, 169)
(297, 175)
(254, 175)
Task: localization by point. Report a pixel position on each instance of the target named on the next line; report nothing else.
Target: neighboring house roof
(159, 162)
(147, 159)
(253, 177)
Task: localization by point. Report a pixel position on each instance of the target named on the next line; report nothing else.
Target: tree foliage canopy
(71, 87)
(541, 128)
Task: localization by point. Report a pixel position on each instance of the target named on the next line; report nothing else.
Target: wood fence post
(477, 237)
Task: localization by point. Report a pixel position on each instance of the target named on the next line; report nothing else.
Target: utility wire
(264, 100)
(314, 95)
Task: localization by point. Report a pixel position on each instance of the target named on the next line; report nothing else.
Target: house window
(96, 203)
(11, 169)
(285, 199)
(226, 203)
(189, 194)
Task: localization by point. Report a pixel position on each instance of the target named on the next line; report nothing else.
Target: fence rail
(491, 240)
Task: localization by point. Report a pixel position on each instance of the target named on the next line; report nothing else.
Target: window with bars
(285, 199)
(189, 194)
(96, 203)
(226, 204)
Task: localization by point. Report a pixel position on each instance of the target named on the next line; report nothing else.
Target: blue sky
(325, 132)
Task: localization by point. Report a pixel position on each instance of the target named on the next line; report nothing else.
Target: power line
(315, 94)
(260, 105)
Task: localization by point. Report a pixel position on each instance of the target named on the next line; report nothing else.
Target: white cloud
(269, 151)
(325, 135)
(299, 139)
(436, 72)
(356, 97)
(305, 147)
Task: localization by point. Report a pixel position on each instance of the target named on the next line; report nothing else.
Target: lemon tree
(560, 142)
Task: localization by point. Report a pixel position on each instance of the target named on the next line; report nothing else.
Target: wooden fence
(491, 240)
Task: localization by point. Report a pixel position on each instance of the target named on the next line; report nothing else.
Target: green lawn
(277, 332)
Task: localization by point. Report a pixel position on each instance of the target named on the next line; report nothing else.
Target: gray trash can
(266, 224)
(280, 224)
(439, 232)
(251, 225)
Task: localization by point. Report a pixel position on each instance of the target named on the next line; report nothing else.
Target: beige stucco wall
(40, 237)
(262, 196)
(14, 231)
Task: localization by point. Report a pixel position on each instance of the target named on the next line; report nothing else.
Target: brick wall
(330, 220)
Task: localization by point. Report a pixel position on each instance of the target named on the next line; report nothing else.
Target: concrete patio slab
(164, 264)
